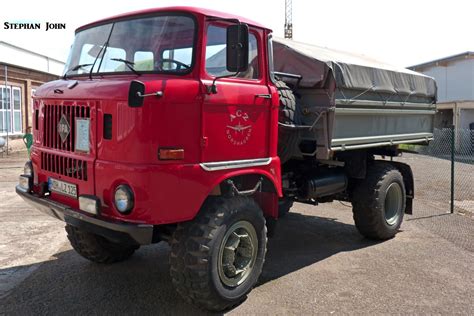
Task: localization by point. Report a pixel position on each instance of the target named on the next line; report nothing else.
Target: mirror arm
(156, 94)
(212, 89)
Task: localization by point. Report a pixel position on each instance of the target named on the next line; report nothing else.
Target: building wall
(455, 80)
(26, 80)
(439, 73)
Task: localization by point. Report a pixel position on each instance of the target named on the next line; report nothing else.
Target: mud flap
(407, 174)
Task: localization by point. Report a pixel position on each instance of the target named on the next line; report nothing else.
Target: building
(455, 78)
(21, 72)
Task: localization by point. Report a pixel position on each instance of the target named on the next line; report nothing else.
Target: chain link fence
(464, 172)
(444, 172)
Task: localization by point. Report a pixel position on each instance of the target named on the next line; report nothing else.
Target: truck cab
(152, 114)
(89, 138)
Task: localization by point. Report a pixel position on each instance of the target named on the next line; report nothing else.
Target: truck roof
(195, 10)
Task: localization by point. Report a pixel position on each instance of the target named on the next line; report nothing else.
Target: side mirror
(135, 94)
(237, 51)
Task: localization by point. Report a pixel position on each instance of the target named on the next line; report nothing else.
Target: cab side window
(216, 54)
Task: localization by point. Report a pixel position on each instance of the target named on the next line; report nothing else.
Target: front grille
(52, 116)
(69, 167)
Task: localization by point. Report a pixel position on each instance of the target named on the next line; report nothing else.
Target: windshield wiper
(74, 69)
(102, 50)
(97, 57)
(127, 63)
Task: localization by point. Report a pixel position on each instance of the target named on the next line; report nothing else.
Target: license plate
(62, 187)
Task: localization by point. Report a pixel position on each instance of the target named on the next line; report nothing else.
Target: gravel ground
(316, 264)
(433, 182)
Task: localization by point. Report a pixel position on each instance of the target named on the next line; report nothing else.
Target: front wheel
(379, 202)
(216, 259)
(97, 248)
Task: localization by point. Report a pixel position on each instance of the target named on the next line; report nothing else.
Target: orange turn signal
(171, 153)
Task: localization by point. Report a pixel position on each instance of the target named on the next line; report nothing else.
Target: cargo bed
(354, 102)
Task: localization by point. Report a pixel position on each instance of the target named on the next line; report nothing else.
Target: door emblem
(63, 128)
(239, 130)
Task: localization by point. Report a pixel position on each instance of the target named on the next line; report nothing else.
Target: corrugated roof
(30, 51)
(25, 58)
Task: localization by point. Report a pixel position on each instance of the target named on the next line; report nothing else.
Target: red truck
(197, 128)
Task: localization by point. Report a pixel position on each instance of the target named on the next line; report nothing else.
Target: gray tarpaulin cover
(349, 70)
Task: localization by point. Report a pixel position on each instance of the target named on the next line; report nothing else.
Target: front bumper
(141, 234)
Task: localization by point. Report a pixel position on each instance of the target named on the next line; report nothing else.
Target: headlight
(124, 199)
(28, 169)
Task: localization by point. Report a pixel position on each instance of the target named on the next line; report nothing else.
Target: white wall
(24, 58)
(439, 73)
(455, 81)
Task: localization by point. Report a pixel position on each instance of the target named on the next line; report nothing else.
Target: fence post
(453, 148)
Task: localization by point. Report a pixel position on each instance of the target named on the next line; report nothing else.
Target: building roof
(25, 58)
(443, 61)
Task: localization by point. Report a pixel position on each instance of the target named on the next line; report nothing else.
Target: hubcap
(237, 253)
(393, 203)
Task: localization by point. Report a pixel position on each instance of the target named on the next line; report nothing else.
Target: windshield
(152, 44)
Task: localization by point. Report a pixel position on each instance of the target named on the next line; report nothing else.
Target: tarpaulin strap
(354, 98)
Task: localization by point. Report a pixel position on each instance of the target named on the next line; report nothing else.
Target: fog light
(25, 182)
(124, 199)
(28, 169)
(89, 204)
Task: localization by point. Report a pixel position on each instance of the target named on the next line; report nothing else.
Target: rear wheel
(97, 248)
(379, 202)
(216, 259)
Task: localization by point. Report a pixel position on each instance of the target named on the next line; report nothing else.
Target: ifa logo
(239, 130)
(63, 128)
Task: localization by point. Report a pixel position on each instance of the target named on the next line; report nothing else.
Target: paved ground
(317, 263)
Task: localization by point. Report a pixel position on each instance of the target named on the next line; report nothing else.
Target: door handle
(264, 96)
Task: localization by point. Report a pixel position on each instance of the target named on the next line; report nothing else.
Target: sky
(399, 32)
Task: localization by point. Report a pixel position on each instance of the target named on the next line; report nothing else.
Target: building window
(5, 118)
(10, 110)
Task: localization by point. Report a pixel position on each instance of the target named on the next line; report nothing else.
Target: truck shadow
(68, 284)
(302, 240)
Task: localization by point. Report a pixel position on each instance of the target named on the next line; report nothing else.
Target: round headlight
(124, 199)
(28, 169)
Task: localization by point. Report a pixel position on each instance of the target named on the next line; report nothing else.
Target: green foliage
(409, 147)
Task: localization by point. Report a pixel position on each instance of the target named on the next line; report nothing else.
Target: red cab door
(236, 119)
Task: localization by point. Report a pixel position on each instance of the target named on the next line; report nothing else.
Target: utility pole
(289, 19)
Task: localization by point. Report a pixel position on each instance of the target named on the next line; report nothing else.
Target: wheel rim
(238, 253)
(393, 203)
